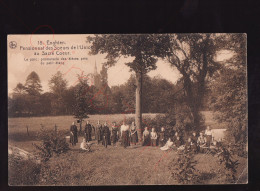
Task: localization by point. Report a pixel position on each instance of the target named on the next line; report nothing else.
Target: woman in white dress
(154, 137)
(168, 144)
(125, 135)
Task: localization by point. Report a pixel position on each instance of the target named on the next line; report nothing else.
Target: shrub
(237, 144)
(183, 168)
(230, 165)
(52, 142)
(22, 172)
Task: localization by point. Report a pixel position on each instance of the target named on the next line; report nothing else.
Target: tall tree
(83, 105)
(194, 57)
(228, 97)
(33, 88)
(144, 49)
(18, 103)
(19, 89)
(58, 87)
(57, 84)
(103, 74)
(33, 84)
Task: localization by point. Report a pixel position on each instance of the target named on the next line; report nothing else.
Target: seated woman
(83, 145)
(177, 142)
(194, 137)
(168, 144)
(194, 146)
(201, 140)
(188, 145)
(174, 138)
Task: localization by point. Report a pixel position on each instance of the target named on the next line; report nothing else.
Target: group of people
(193, 143)
(127, 135)
(104, 135)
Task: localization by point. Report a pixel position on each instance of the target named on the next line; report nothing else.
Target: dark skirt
(134, 138)
(146, 141)
(208, 140)
(74, 139)
(88, 136)
(114, 138)
(106, 140)
(194, 147)
(161, 143)
(99, 135)
(125, 139)
(153, 141)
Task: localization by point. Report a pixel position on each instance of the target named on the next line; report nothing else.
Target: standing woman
(146, 137)
(106, 135)
(133, 134)
(153, 137)
(73, 134)
(114, 134)
(162, 137)
(125, 134)
(98, 131)
(88, 131)
(208, 134)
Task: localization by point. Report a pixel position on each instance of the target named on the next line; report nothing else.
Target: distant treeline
(28, 100)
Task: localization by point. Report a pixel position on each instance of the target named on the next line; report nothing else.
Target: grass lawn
(17, 131)
(130, 166)
(114, 165)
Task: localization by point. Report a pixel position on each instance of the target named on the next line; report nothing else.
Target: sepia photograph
(127, 109)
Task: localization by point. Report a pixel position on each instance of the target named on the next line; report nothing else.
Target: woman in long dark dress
(73, 134)
(98, 132)
(125, 135)
(114, 134)
(161, 137)
(133, 134)
(106, 135)
(146, 137)
(88, 132)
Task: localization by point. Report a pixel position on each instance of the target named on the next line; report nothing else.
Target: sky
(20, 65)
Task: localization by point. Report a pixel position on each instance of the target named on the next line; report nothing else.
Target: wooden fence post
(56, 128)
(27, 130)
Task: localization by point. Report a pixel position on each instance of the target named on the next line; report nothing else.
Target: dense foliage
(52, 142)
(228, 93)
(23, 172)
(82, 99)
(183, 168)
(230, 165)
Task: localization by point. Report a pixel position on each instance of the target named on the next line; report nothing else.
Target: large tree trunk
(138, 105)
(192, 100)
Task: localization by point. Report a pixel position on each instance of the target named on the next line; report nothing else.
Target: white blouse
(124, 128)
(208, 132)
(153, 135)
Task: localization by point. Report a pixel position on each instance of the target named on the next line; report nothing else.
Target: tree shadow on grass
(204, 177)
